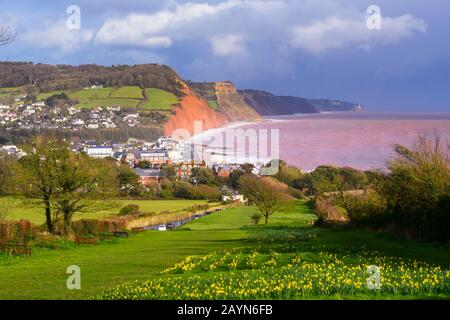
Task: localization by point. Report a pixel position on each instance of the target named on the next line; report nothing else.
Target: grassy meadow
(19, 209)
(159, 100)
(125, 97)
(224, 256)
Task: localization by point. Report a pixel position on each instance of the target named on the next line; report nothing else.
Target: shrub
(367, 210)
(21, 231)
(86, 228)
(256, 218)
(129, 210)
(327, 212)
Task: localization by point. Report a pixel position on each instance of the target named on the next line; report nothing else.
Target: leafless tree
(6, 36)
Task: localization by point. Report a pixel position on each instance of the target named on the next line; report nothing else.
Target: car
(162, 228)
(170, 226)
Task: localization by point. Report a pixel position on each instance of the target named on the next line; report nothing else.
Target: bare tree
(262, 194)
(6, 36)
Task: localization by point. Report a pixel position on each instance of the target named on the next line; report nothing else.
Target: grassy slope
(159, 99)
(42, 276)
(126, 97)
(20, 210)
(145, 255)
(131, 92)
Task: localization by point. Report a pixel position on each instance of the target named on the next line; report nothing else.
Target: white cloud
(335, 33)
(154, 30)
(58, 36)
(186, 20)
(226, 45)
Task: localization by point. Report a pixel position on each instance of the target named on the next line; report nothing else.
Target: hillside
(267, 104)
(324, 105)
(155, 91)
(224, 97)
(152, 97)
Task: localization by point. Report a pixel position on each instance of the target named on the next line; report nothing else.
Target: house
(156, 157)
(235, 196)
(149, 177)
(132, 158)
(167, 142)
(99, 152)
(224, 171)
(77, 122)
(185, 168)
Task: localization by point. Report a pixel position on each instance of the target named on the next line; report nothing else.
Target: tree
(418, 188)
(80, 182)
(6, 36)
(36, 174)
(144, 164)
(62, 181)
(128, 181)
(261, 194)
(288, 174)
(170, 172)
(203, 176)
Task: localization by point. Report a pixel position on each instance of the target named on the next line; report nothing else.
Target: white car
(162, 228)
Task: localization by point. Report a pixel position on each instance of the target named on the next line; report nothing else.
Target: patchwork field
(223, 256)
(125, 97)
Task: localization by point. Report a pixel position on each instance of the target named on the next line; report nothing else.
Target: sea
(362, 140)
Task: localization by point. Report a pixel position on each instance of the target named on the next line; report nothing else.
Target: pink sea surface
(360, 140)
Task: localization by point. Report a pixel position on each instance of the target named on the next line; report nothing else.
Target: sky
(393, 57)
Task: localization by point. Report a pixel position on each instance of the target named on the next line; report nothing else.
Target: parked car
(162, 228)
(170, 226)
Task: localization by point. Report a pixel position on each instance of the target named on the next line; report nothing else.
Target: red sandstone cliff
(193, 108)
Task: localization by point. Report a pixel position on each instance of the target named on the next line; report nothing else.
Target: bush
(256, 218)
(185, 190)
(86, 228)
(327, 212)
(368, 210)
(22, 231)
(129, 209)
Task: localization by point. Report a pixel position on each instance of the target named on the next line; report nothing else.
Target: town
(147, 159)
(23, 114)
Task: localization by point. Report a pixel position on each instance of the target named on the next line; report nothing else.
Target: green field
(129, 92)
(103, 93)
(215, 238)
(43, 96)
(95, 103)
(10, 89)
(159, 99)
(19, 209)
(126, 97)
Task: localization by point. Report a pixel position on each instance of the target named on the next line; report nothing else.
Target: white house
(99, 152)
(234, 197)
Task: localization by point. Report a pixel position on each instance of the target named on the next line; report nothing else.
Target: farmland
(223, 256)
(159, 99)
(125, 97)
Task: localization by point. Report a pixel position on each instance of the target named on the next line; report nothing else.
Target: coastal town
(146, 158)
